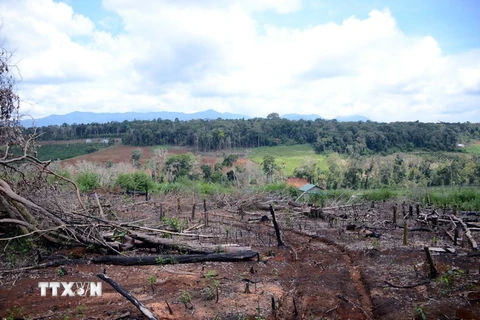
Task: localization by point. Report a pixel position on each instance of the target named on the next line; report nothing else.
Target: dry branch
(408, 286)
(140, 306)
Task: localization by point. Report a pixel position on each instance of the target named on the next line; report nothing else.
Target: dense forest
(324, 135)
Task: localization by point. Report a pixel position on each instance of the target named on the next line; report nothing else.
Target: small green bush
(88, 181)
(139, 181)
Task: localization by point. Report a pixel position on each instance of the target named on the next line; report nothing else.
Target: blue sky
(388, 60)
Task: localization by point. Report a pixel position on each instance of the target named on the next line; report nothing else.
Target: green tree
(229, 160)
(178, 165)
(269, 166)
(136, 155)
(307, 170)
(207, 172)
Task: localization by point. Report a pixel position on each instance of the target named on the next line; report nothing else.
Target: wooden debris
(174, 259)
(408, 286)
(140, 306)
(187, 246)
(467, 233)
(433, 269)
(442, 250)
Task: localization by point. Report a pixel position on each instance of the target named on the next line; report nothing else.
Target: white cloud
(183, 56)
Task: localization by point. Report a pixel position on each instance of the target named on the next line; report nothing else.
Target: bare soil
(122, 153)
(326, 272)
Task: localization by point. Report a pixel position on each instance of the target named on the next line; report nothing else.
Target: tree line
(356, 138)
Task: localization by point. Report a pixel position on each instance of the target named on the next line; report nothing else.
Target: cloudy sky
(387, 60)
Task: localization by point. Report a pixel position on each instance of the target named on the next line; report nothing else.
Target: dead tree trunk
(140, 306)
(277, 228)
(174, 259)
(433, 270)
(186, 246)
(205, 212)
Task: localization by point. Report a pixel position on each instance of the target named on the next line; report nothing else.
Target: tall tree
(269, 166)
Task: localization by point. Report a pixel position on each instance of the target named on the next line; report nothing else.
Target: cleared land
(327, 272)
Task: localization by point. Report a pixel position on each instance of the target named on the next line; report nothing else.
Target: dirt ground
(122, 153)
(325, 272)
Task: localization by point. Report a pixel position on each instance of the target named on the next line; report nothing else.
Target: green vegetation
(213, 285)
(87, 181)
(287, 158)
(175, 224)
(66, 151)
(380, 194)
(450, 276)
(279, 188)
(473, 148)
(185, 297)
(151, 280)
(351, 138)
(16, 312)
(138, 181)
(18, 249)
(463, 198)
(420, 311)
(81, 310)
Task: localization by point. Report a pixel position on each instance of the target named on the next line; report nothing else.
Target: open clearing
(327, 272)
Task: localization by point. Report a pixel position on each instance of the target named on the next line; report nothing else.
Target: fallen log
(467, 232)
(339, 207)
(187, 246)
(174, 259)
(140, 306)
(266, 207)
(295, 204)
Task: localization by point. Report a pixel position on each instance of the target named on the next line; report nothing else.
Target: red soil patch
(119, 153)
(296, 182)
(122, 153)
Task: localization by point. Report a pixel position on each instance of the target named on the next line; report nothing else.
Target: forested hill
(324, 135)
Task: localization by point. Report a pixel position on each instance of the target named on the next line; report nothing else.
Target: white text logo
(71, 289)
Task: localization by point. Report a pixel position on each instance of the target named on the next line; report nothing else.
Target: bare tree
(28, 202)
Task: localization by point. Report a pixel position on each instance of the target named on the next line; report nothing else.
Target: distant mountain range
(93, 117)
(353, 118)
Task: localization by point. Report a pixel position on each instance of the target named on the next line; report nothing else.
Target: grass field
(473, 148)
(287, 157)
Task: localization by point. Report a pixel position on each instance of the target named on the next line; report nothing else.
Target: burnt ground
(326, 272)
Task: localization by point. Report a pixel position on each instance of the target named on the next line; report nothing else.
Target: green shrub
(464, 199)
(62, 173)
(280, 188)
(172, 187)
(139, 181)
(378, 194)
(175, 224)
(88, 181)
